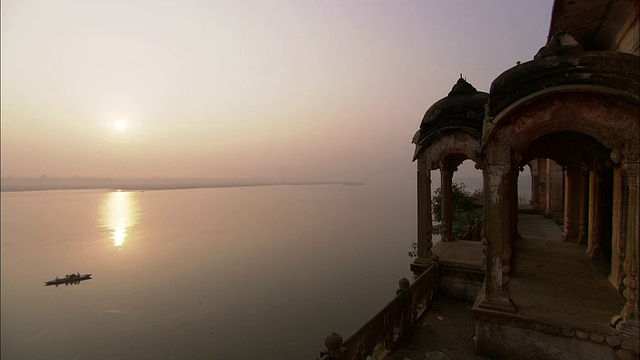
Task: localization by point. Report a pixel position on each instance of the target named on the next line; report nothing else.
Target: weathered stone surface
(555, 329)
(506, 342)
(612, 69)
(582, 335)
(613, 341)
(437, 355)
(560, 44)
(460, 283)
(461, 111)
(629, 345)
(597, 338)
(541, 327)
(567, 332)
(622, 354)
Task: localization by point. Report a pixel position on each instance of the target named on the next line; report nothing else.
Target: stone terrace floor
(446, 331)
(552, 281)
(557, 282)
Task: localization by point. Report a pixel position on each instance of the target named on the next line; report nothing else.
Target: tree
(465, 212)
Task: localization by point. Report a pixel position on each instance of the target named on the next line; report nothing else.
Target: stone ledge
(614, 340)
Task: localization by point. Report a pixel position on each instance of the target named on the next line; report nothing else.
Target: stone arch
(610, 120)
(445, 152)
(461, 143)
(608, 117)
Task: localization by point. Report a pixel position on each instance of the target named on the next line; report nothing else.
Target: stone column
(629, 315)
(593, 238)
(543, 179)
(498, 230)
(535, 184)
(572, 204)
(446, 171)
(513, 220)
(555, 187)
(617, 250)
(584, 205)
(425, 224)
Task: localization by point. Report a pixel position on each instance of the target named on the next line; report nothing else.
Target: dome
(463, 108)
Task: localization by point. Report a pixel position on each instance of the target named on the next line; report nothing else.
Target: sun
(120, 125)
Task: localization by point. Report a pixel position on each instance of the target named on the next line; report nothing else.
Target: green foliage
(414, 250)
(464, 212)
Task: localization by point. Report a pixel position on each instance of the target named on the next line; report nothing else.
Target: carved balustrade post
(332, 347)
(404, 288)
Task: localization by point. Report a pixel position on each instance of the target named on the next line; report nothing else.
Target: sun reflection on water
(119, 214)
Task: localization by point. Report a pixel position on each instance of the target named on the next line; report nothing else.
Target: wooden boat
(69, 279)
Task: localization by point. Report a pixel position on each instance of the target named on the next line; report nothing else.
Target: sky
(263, 89)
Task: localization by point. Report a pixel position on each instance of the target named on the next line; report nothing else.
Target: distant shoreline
(45, 183)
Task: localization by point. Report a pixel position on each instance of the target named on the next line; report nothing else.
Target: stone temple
(572, 115)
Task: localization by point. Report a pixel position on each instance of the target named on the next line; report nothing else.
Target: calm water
(227, 273)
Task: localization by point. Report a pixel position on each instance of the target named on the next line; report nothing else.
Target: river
(222, 273)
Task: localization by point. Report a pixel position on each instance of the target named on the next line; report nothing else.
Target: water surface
(228, 273)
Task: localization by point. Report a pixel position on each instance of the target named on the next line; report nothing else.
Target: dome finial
(462, 87)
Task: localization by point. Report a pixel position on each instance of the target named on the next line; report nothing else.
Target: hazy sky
(265, 89)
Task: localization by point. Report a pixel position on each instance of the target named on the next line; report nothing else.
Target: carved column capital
(616, 156)
(423, 164)
(516, 158)
(446, 167)
(585, 169)
(631, 174)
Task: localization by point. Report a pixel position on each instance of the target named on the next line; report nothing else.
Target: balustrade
(387, 328)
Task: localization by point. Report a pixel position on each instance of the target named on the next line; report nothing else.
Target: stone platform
(563, 300)
(461, 269)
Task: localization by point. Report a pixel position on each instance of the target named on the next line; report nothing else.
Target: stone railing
(473, 233)
(385, 330)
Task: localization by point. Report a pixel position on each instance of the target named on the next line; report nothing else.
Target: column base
(630, 330)
(582, 239)
(595, 252)
(497, 304)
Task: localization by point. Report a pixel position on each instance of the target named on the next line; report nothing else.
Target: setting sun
(120, 125)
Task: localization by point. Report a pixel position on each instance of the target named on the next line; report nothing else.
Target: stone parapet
(619, 343)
